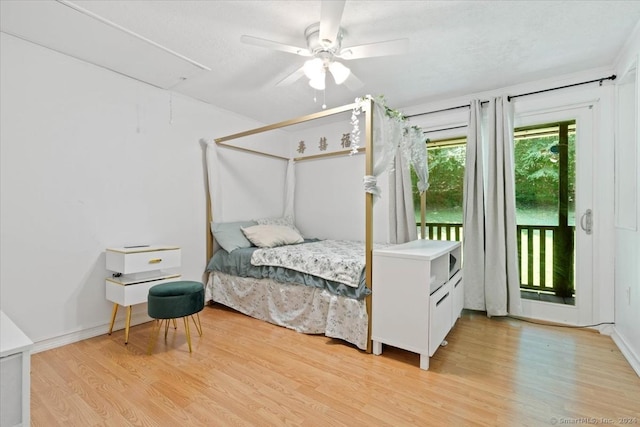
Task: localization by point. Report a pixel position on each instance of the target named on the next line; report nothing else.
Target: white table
(137, 269)
(15, 374)
(417, 295)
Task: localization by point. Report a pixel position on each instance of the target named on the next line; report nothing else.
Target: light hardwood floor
(245, 372)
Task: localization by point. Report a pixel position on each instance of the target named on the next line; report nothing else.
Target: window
(445, 194)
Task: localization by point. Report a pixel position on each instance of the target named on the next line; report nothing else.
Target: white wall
(627, 221)
(91, 159)
(330, 197)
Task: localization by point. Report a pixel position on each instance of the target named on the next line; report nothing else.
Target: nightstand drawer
(133, 293)
(138, 260)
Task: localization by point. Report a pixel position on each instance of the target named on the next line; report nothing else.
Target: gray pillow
(229, 234)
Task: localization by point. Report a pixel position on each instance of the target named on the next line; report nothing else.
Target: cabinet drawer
(134, 293)
(458, 297)
(440, 306)
(128, 262)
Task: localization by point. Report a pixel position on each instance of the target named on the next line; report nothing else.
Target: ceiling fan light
(318, 83)
(313, 68)
(339, 72)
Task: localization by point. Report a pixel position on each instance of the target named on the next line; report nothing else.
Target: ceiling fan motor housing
(317, 46)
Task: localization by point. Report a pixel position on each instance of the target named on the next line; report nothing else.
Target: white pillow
(286, 220)
(270, 236)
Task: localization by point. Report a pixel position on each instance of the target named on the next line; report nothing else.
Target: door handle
(586, 221)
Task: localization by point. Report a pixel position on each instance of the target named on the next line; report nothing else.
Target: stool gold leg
(113, 317)
(126, 328)
(198, 325)
(166, 328)
(154, 335)
(186, 327)
(175, 325)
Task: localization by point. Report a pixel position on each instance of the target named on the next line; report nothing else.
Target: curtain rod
(600, 80)
(439, 111)
(446, 109)
(450, 128)
(509, 98)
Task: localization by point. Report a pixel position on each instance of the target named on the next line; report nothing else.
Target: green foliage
(536, 176)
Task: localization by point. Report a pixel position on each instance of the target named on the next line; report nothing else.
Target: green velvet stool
(169, 301)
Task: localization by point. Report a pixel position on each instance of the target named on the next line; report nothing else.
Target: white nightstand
(15, 371)
(136, 269)
(417, 295)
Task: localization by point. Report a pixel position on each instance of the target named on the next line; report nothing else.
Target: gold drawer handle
(155, 260)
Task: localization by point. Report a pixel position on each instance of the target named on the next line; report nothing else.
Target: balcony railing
(537, 245)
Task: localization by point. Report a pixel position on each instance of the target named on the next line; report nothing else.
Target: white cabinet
(135, 270)
(15, 374)
(417, 295)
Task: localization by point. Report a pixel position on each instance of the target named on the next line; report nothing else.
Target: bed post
(209, 210)
(423, 213)
(208, 226)
(368, 136)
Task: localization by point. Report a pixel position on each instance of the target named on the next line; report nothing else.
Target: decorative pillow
(286, 220)
(229, 234)
(270, 236)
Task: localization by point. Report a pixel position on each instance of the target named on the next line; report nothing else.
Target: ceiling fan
(324, 48)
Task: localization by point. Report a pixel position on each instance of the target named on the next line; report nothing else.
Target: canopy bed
(327, 290)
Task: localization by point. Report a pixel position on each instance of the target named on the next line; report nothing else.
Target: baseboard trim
(626, 351)
(73, 337)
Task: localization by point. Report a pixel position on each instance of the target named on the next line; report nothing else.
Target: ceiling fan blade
(256, 41)
(330, 17)
(353, 83)
(291, 78)
(391, 47)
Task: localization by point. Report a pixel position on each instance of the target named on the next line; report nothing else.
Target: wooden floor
(244, 372)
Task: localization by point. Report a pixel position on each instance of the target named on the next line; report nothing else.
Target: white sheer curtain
(490, 245)
(473, 214)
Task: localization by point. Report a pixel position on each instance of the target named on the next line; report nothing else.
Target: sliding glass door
(554, 214)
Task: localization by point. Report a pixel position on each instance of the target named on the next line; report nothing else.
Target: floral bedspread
(339, 260)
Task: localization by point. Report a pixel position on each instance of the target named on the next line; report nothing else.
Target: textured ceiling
(456, 47)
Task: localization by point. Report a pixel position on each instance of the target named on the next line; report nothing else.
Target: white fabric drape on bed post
(402, 223)
(384, 132)
(419, 161)
(419, 158)
(411, 150)
(396, 146)
(490, 249)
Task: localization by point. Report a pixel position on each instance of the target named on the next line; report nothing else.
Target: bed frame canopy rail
(366, 107)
